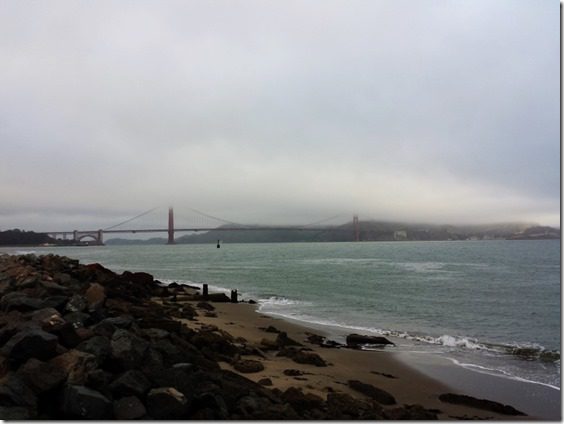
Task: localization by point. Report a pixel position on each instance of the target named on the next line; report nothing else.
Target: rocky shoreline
(82, 342)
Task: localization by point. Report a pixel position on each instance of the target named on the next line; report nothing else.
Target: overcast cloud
(279, 111)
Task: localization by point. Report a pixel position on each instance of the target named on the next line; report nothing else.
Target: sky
(285, 112)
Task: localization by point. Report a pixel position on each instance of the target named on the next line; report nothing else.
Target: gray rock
(128, 349)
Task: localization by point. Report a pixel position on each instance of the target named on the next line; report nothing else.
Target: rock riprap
(82, 342)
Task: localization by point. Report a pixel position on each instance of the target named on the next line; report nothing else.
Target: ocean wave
(499, 373)
(280, 301)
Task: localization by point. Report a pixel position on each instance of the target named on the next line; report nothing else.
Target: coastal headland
(82, 342)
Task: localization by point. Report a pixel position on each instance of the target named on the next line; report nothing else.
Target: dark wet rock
(54, 288)
(379, 395)
(47, 318)
(129, 383)
(80, 402)
(78, 319)
(68, 335)
(30, 343)
(303, 357)
(56, 302)
(292, 372)
(165, 403)
(218, 297)
(95, 296)
(128, 349)
(129, 408)
(301, 401)
(141, 278)
(355, 340)
(99, 379)
(14, 413)
(383, 374)
(248, 366)
(17, 301)
(170, 325)
(41, 376)
(206, 306)
(252, 302)
(215, 343)
(265, 382)
(282, 340)
(344, 407)
(322, 341)
(268, 344)
(76, 303)
(487, 405)
(270, 329)
(15, 392)
(98, 346)
(410, 412)
(76, 365)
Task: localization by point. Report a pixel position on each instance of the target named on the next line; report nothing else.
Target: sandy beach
(381, 369)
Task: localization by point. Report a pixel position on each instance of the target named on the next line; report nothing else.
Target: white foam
(499, 373)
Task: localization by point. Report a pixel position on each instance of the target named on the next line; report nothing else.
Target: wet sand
(386, 369)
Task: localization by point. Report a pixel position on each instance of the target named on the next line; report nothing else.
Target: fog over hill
(369, 231)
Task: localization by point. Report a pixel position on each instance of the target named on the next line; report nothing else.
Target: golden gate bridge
(96, 237)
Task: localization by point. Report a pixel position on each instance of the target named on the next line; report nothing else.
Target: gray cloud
(279, 111)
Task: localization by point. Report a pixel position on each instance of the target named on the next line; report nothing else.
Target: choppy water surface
(491, 306)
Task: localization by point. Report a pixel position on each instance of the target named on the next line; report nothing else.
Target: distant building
(400, 235)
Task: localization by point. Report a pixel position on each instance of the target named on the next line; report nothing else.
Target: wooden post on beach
(205, 291)
(233, 296)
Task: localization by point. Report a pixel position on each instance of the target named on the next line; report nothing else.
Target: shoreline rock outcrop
(82, 342)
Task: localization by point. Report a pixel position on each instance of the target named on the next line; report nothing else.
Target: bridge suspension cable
(216, 218)
(323, 220)
(131, 219)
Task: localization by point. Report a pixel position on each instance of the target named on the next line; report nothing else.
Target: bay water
(490, 306)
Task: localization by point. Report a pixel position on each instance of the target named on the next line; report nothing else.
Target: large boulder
(129, 408)
(355, 340)
(41, 376)
(15, 392)
(95, 296)
(166, 403)
(80, 402)
(76, 365)
(128, 349)
(98, 346)
(30, 343)
(484, 404)
(131, 382)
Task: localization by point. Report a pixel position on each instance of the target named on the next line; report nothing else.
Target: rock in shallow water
(484, 404)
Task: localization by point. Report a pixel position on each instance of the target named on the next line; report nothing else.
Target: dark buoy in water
(218, 245)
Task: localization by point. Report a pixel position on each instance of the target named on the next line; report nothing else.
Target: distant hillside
(18, 237)
(369, 231)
